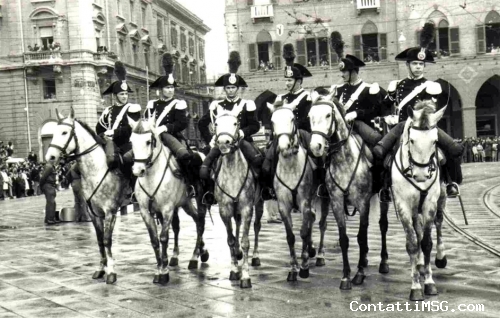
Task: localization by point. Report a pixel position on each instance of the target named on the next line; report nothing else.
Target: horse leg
(384, 225)
(426, 245)
(191, 211)
(413, 248)
(338, 212)
(364, 209)
(167, 216)
(285, 210)
(320, 258)
(226, 215)
(246, 219)
(305, 233)
(109, 224)
(99, 231)
(174, 261)
(259, 211)
(417, 224)
(155, 243)
(441, 260)
(202, 212)
(237, 248)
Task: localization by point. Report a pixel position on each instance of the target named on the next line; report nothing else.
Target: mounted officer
(171, 116)
(404, 94)
(241, 108)
(113, 125)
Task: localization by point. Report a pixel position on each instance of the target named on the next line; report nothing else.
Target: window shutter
(250, 2)
(358, 50)
(382, 46)
(251, 56)
(454, 40)
(334, 58)
(481, 39)
(301, 52)
(277, 54)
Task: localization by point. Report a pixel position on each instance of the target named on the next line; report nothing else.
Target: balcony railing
(43, 57)
(262, 11)
(368, 4)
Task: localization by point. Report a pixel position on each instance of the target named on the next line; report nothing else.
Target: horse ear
(314, 96)
(270, 107)
(132, 122)
(59, 116)
(436, 117)
(71, 113)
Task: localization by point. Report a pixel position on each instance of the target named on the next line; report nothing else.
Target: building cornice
(180, 12)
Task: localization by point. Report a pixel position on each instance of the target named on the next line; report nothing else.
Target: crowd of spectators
(51, 47)
(481, 149)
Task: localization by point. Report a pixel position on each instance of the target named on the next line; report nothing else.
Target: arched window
(446, 39)
(44, 21)
(264, 54)
(488, 34)
(370, 46)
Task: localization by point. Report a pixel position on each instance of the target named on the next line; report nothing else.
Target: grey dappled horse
(295, 188)
(106, 190)
(419, 194)
(348, 179)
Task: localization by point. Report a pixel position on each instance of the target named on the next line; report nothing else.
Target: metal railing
(44, 56)
(262, 11)
(368, 4)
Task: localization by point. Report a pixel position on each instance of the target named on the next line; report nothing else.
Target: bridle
(430, 164)
(64, 148)
(234, 136)
(291, 135)
(149, 161)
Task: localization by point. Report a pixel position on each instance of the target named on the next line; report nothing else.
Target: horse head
(63, 139)
(143, 140)
(420, 140)
(284, 127)
(323, 115)
(227, 132)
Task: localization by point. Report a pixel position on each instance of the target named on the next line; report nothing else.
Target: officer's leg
(385, 175)
(452, 168)
(387, 143)
(252, 154)
(112, 154)
(367, 133)
(268, 170)
(180, 151)
(208, 162)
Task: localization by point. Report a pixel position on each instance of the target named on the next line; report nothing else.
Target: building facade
(466, 48)
(61, 54)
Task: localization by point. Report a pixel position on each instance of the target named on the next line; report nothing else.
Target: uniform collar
(416, 78)
(356, 83)
(235, 100)
(298, 91)
(166, 100)
(116, 104)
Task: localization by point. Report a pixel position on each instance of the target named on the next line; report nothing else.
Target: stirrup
(204, 201)
(458, 189)
(380, 196)
(322, 189)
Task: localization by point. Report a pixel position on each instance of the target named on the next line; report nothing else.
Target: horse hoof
(164, 279)
(383, 268)
(111, 278)
(239, 256)
(205, 256)
(174, 261)
(292, 277)
(358, 279)
(430, 289)
(255, 261)
(441, 263)
(234, 276)
(156, 280)
(304, 273)
(345, 284)
(246, 283)
(416, 295)
(421, 269)
(193, 264)
(320, 262)
(312, 252)
(98, 274)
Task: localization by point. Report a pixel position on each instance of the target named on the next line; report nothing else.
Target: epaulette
(393, 85)
(106, 110)
(374, 89)
(151, 103)
(250, 105)
(181, 104)
(433, 88)
(214, 104)
(134, 108)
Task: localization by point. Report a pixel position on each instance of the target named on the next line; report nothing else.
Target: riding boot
(450, 177)
(367, 133)
(112, 156)
(387, 143)
(252, 154)
(180, 151)
(320, 175)
(207, 163)
(208, 189)
(385, 193)
(190, 181)
(268, 171)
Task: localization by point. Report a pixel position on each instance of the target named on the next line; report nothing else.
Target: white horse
(419, 194)
(105, 189)
(295, 187)
(160, 190)
(235, 192)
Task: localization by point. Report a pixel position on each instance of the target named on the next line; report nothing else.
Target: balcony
(45, 57)
(262, 11)
(368, 5)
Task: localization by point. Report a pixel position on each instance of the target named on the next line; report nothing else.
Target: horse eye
(148, 142)
(216, 124)
(329, 115)
(65, 133)
(411, 140)
(234, 124)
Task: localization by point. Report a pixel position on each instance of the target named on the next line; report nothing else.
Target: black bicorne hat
(168, 78)
(120, 85)
(420, 53)
(293, 70)
(232, 78)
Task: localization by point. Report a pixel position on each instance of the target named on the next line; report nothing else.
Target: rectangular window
(173, 34)
(486, 125)
(492, 35)
(191, 46)
(134, 54)
(143, 11)
(323, 52)
(263, 50)
(185, 73)
(146, 57)
(46, 37)
(369, 43)
(159, 28)
(252, 61)
(183, 42)
(49, 89)
(131, 11)
(122, 49)
(311, 52)
(119, 6)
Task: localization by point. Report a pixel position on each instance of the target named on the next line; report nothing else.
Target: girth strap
(92, 195)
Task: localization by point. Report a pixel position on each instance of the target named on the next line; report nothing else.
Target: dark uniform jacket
(48, 176)
(398, 90)
(243, 109)
(303, 100)
(123, 130)
(171, 113)
(367, 105)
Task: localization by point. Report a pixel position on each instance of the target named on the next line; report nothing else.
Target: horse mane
(140, 128)
(428, 108)
(90, 131)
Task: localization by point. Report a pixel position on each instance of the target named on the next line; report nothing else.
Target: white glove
(161, 129)
(242, 134)
(109, 133)
(351, 116)
(212, 142)
(391, 120)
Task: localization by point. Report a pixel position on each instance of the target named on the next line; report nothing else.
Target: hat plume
(427, 34)
(289, 54)
(120, 71)
(234, 62)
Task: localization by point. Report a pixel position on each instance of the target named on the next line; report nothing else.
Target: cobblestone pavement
(45, 271)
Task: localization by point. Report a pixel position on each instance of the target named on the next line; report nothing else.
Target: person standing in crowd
(10, 149)
(48, 186)
(3, 176)
(32, 157)
(35, 178)
(74, 177)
